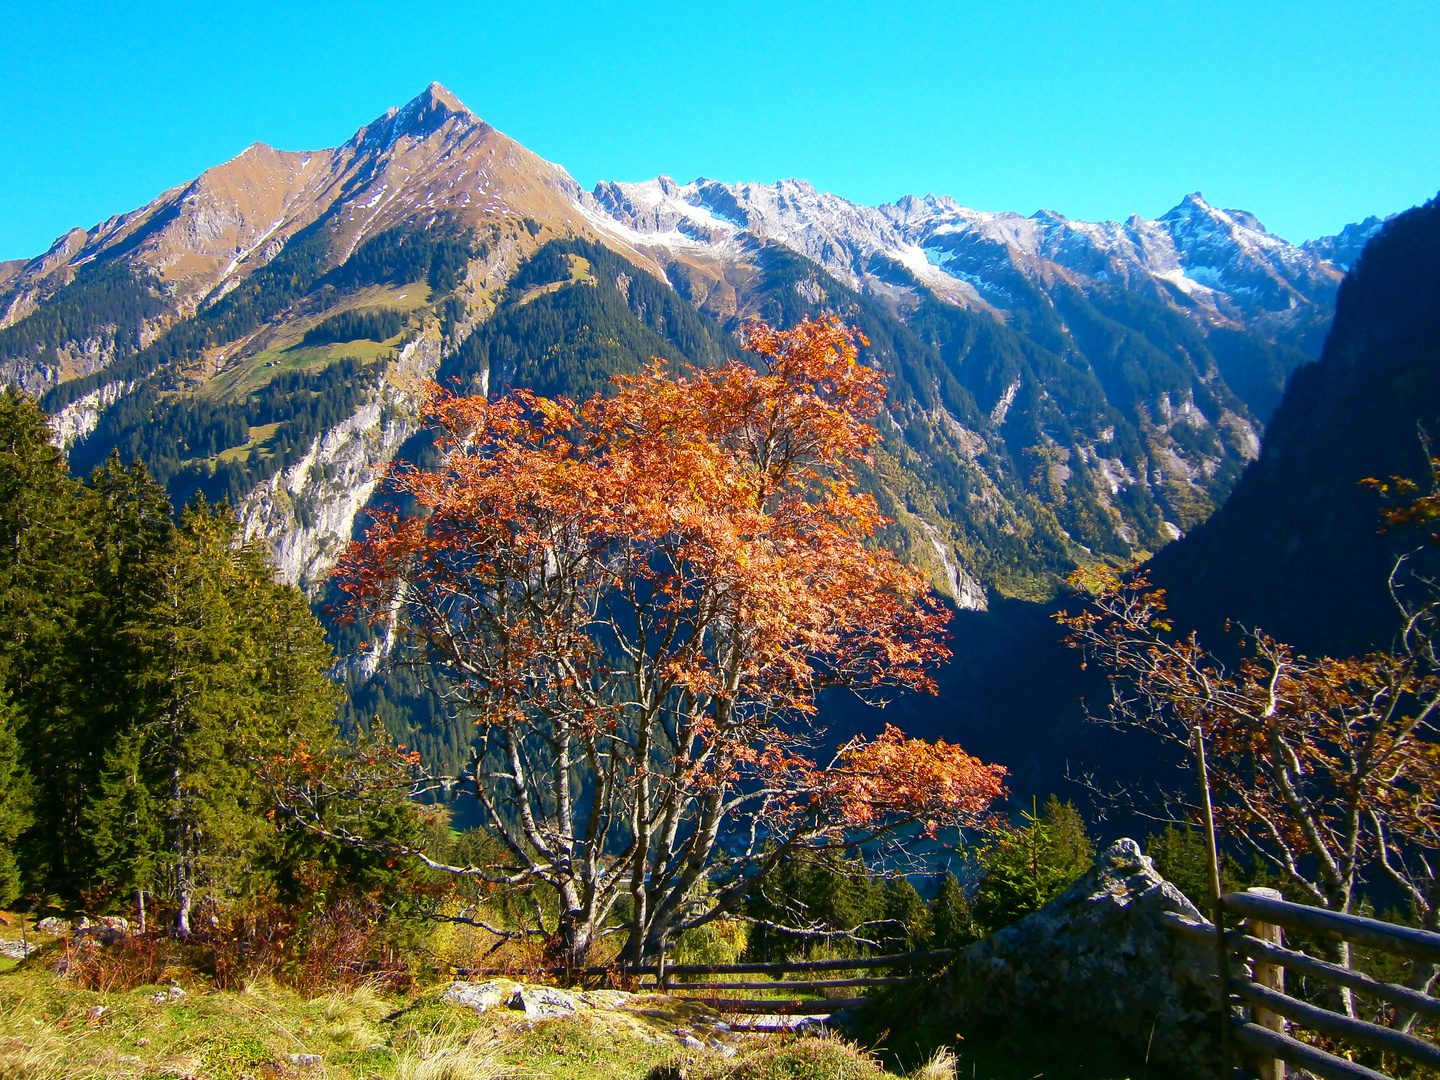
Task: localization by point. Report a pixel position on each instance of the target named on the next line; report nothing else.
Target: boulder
(53, 925)
(17, 950)
(481, 996)
(1100, 959)
(546, 1002)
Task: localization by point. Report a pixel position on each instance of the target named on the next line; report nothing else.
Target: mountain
(1061, 391)
(1296, 549)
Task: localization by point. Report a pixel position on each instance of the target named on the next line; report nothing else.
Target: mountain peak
(420, 117)
(437, 95)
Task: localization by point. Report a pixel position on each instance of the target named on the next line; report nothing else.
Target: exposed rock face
(306, 514)
(1098, 958)
(78, 419)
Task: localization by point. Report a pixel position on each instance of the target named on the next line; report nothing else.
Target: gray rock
(1099, 959)
(607, 999)
(690, 1042)
(481, 996)
(107, 929)
(17, 950)
(53, 925)
(306, 1061)
(545, 1002)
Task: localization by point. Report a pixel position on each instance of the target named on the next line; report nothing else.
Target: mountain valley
(1061, 392)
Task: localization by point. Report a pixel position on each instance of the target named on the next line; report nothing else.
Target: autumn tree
(1322, 769)
(638, 599)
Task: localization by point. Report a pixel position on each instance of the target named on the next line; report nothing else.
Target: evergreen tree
(14, 801)
(132, 535)
(832, 897)
(907, 925)
(1027, 867)
(952, 924)
(232, 667)
(45, 563)
(1182, 858)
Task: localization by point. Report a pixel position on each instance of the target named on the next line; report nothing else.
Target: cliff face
(306, 515)
(1296, 549)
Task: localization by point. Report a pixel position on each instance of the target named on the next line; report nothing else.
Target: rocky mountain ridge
(1061, 390)
(1222, 265)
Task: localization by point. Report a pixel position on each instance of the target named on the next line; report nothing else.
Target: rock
(129, 1059)
(17, 950)
(607, 999)
(107, 929)
(545, 1002)
(95, 1012)
(53, 925)
(307, 1061)
(482, 995)
(173, 993)
(691, 1043)
(1099, 959)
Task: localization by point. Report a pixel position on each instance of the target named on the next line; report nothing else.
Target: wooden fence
(671, 979)
(1254, 973)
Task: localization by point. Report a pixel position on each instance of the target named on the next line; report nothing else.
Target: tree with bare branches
(1324, 769)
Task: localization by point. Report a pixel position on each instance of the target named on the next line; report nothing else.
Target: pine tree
(907, 925)
(45, 563)
(133, 534)
(1029, 866)
(14, 801)
(232, 666)
(952, 924)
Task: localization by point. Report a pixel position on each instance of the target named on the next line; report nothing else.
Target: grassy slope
(51, 1029)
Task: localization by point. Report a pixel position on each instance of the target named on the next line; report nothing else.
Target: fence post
(1271, 976)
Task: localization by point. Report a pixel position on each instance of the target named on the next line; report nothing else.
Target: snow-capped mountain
(1061, 389)
(1222, 265)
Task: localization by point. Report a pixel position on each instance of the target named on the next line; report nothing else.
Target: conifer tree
(907, 922)
(132, 535)
(1028, 867)
(233, 666)
(44, 574)
(14, 801)
(952, 924)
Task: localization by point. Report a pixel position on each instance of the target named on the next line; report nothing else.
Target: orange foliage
(642, 594)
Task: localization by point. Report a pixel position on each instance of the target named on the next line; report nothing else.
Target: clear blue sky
(1311, 114)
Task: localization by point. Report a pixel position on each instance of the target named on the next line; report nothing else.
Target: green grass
(579, 275)
(283, 352)
(53, 1030)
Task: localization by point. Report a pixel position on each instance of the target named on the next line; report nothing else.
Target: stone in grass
(607, 999)
(17, 950)
(481, 996)
(545, 1002)
(52, 925)
(307, 1062)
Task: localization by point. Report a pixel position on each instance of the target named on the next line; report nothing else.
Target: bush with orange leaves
(637, 599)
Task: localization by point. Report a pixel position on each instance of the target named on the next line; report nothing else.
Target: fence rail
(1263, 991)
(663, 976)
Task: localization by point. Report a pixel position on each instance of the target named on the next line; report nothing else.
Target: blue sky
(1309, 114)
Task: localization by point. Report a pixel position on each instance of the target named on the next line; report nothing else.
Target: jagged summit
(421, 116)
